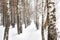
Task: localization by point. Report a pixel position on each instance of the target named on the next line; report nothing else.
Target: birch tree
(4, 11)
(25, 12)
(7, 20)
(52, 34)
(37, 18)
(38, 11)
(1, 11)
(43, 16)
(19, 16)
(28, 13)
(13, 12)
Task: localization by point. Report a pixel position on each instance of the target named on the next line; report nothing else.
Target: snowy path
(1, 32)
(29, 33)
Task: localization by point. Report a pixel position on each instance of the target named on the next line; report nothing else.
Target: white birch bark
(52, 34)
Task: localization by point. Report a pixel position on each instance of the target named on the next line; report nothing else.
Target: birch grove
(24, 11)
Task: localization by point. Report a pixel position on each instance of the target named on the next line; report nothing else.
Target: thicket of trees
(21, 11)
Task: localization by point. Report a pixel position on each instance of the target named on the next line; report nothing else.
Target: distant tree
(26, 14)
(1, 12)
(13, 12)
(4, 11)
(37, 13)
(6, 32)
(19, 19)
(43, 26)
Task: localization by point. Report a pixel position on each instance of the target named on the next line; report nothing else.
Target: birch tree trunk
(6, 32)
(52, 34)
(19, 16)
(36, 12)
(1, 12)
(37, 18)
(4, 11)
(13, 12)
(7, 20)
(43, 5)
(26, 14)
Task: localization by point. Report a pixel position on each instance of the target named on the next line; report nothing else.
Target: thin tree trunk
(18, 31)
(6, 32)
(1, 11)
(43, 38)
(19, 18)
(13, 9)
(4, 11)
(7, 21)
(26, 12)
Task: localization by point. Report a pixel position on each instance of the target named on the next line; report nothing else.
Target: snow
(30, 33)
(1, 32)
(58, 17)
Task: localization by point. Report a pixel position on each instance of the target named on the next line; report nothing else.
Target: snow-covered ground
(30, 33)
